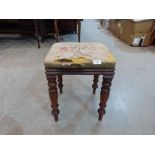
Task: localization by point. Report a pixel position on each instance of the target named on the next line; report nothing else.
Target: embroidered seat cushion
(79, 55)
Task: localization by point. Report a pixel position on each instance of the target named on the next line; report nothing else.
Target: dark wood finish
(107, 74)
(104, 95)
(60, 83)
(79, 30)
(41, 28)
(36, 23)
(53, 94)
(9, 26)
(78, 71)
(56, 30)
(21, 26)
(58, 26)
(95, 86)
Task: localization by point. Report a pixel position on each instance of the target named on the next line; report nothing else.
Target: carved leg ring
(95, 86)
(53, 94)
(60, 84)
(105, 90)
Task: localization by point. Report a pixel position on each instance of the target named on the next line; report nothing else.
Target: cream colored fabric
(78, 53)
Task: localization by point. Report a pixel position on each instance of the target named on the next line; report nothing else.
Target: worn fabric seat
(79, 59)
(79, 55)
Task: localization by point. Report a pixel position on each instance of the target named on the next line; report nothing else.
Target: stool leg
(60, 83)
(95, 81)
(53, 94)
(104, 95)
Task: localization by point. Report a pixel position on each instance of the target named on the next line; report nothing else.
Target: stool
(79, 59)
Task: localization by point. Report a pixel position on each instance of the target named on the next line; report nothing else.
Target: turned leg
(53, 94)
(105, 90)
(60, 83)
(95, 86)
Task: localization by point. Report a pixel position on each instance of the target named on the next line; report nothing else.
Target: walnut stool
(79, 59)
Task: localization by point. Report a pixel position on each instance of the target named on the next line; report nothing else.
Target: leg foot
(104, 95)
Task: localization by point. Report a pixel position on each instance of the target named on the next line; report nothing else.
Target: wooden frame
(78, 29)
(54, 75)
(29, 27)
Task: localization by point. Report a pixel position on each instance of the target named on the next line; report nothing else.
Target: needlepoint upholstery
(79, 55)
